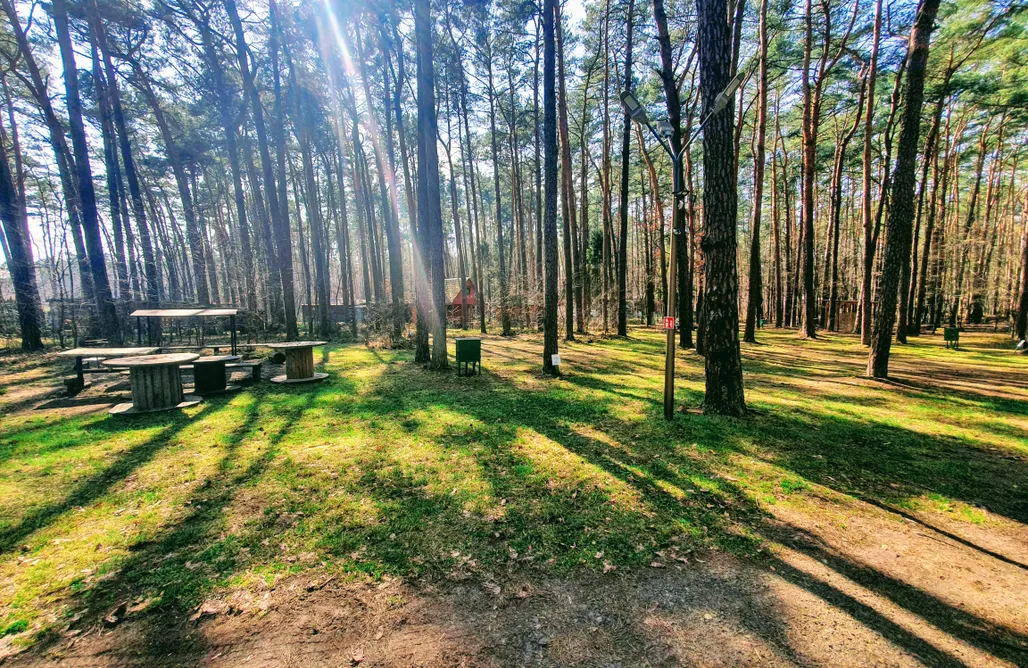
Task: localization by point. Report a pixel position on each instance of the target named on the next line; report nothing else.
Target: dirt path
(712, 611)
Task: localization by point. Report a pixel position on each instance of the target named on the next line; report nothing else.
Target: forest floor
(394, 516)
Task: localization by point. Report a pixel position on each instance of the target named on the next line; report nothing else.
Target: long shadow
(97, 484)
(997, 640)
(650, 473)
(682, 501)
(942, 532)
(192, 557)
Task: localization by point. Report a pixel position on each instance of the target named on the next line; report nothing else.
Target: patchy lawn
(393, 515)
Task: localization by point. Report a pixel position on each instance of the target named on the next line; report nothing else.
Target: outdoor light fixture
(633, 107)
(663, 133)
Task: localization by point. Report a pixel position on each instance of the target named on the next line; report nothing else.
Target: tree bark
(550, 177)
(720, 322)
(429, 204)
(754, 305)
(276, 196)
(626, 142)
(501, 253)
(150, 267)
(108, 315)
(901, 211)
(20, 262)
(868, 221)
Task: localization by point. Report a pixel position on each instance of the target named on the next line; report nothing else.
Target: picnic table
(215, 312)
(79, 354)
(299, 362)
(209, 374)
(156, 383)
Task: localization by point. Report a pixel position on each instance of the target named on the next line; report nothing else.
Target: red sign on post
(669, 323)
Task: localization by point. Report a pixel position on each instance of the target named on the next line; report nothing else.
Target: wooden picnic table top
(182, 312)
(172, 359)
(106, 352)
(295, 344)
(214, 359)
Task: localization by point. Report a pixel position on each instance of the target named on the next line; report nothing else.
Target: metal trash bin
(951, 335)
(469, 356)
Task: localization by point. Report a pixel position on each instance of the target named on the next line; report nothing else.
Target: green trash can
(951, 335)
(469, 356)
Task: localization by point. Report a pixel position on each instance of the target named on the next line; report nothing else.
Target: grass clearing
(391, 471)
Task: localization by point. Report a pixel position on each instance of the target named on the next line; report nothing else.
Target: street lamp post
(638, 113)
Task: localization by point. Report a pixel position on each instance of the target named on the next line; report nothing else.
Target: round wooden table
(209, 375)
(156, 383)
(299, 362)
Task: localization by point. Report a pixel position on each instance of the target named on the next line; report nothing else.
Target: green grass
(389, 469)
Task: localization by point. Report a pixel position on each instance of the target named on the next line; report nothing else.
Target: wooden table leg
(156, 387)
(299, 363)
(208, 377)
(80, 378)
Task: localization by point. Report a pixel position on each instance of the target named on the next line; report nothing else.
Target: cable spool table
(299, 362)
(156, 383)
(209, 375)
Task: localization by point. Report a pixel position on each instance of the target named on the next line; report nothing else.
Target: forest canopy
(291, 157)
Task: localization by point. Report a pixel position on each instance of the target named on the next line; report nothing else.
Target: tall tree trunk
(537, 170)
(276, 196)
(112, 171)
(776, 225)
(722, 362)
(965, 233)
(150, 266)
(572, 259)
(228, 124)
(584, 189)
(678, 212)
(303, 127)
(1021, 322)
(832, 278)
(809, 156)
(196, 247)
(106, 312)
(868, 221)
(501, 253)
(550, 175)
(626, 139)
(605, 267)
(901, 211)
(62, 154)
(20, 262)
(429, 203)
(754, 306)
(390, 218)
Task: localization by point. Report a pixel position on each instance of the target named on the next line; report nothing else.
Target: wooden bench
(253, 365)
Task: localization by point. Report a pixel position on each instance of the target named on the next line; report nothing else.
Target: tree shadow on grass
(687, 496)
(189, 559)
(632, 491)
(100, 482)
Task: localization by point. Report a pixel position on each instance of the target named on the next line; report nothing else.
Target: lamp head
(664, 128)
(633, 107)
